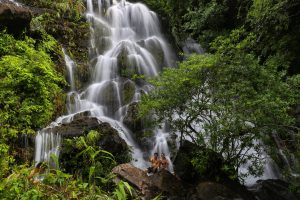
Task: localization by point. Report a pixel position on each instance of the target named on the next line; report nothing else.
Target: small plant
(122, 190)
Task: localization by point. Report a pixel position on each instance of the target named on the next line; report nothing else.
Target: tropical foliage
(240, 93)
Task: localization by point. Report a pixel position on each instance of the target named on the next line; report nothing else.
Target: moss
(123, 63)
(72, 34)
(128, 92)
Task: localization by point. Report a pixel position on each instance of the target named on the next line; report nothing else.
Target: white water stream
(125, 40)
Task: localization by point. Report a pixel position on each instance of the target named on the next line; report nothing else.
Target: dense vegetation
(239, 95)
(31, 91)
(244, 89)
(32, 87)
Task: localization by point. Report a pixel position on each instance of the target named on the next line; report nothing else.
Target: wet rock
(190, 46)
(137, 126)
(132, 119)
(169, 184)
(15, 18)
(108, 97)
(124, 66)
(111, 141)
(154, 46)
(80, 124)
(102, 39)
(128, 91)
(23, 148)
(272, 189)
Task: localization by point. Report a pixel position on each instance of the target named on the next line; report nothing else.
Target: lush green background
(243, 90)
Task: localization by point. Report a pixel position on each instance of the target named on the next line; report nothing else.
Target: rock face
(151, 186)
(165, 183)
(80, 124)
(212, 191)
(182, 163)
(185, 170)
(272, 189)
(111, 141)
(106, 138)
(136, 124)
(15, 18)
(132, 120)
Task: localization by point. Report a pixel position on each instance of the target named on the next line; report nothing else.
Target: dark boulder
(185, 170)
(110, 140)
(137, 126)
(212, 191)
(182, 164)
(212, 175)
(273, 189)
(15, 18)
(171, 187)
(128, 91)
(169, 184)
(80, 124)
(85, 132)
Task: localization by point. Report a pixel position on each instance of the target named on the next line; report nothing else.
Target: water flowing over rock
(190, 46)
(126, 42)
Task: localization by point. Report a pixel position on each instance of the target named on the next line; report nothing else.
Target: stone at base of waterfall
(80, 124)
(184, 168)
(150, 186)
(212, 191)
(112, 142)
(167, 184)
(15, 18)
(273, 189)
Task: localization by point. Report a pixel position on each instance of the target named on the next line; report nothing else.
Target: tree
(29, 85)
(228, 101)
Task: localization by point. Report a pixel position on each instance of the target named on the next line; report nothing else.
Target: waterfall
(46, 146)
(126, 41)
(70, 67)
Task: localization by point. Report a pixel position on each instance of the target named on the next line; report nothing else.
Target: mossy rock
(109, 98)
(128, 91)
(100, 137)
(132, 120)
(126, 69)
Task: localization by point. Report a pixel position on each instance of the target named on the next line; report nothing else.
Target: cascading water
(125, 38)
(47, 145)
(125, 41)
(70, 66)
